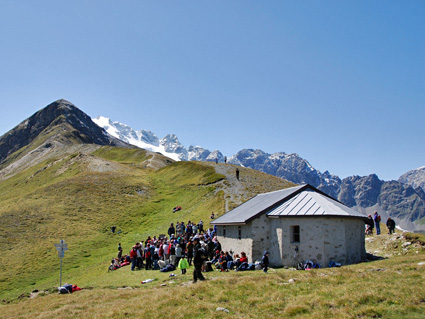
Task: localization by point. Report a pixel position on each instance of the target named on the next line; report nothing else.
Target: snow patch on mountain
(414, 178)
(169, 146)
(143, 138)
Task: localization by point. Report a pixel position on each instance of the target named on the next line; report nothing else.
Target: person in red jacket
(133, 256)
(243, 258)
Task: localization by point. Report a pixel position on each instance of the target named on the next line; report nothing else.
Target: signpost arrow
(61, 248)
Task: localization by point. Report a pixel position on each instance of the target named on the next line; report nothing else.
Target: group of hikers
(375, 222)
(185, 245)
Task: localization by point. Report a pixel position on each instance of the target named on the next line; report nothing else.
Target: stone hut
(295, 225)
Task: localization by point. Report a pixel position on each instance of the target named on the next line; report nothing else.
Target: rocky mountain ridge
(414, 178)
(56, 129)
(403, 200)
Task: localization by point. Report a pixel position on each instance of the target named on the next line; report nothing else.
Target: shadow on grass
(372, 257)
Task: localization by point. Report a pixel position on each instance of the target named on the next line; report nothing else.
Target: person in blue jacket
(377, 220)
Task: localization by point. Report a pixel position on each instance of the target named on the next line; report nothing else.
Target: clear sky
(341, 83)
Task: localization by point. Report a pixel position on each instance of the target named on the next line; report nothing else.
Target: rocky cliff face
(414, 178)
(287, 166)
(57, 130)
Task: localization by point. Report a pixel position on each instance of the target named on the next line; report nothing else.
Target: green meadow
(80, 196)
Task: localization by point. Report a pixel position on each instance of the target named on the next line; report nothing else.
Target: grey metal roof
(311, 203)
(304, 200)
(255, 206)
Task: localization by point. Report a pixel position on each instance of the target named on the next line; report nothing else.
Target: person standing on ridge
(377, 220)
(391, 225)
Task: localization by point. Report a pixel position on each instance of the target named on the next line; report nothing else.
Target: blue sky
(341, 83)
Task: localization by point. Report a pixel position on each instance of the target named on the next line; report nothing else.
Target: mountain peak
(63, 105)
(61, 121)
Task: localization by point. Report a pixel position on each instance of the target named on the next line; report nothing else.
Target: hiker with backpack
(198, 259)
(377, 220)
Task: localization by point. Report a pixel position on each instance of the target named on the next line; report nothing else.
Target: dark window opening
(295, 234)
(239, 232)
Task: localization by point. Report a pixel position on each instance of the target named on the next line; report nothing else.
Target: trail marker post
(61, 247)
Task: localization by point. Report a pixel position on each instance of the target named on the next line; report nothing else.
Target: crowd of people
(375, 222)
(186, 244)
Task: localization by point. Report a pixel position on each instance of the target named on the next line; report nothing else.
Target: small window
(239, 232)
(224, 231)
(295, 234)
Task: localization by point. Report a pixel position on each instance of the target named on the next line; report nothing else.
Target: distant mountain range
(61, 128)
(403, 200)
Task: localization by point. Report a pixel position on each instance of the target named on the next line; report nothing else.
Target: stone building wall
(231, 241)
(321, 239)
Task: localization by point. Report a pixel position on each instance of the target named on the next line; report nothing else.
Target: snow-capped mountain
(403, 200)
(288, 166)
(169, 146)
(414, 178)
(143, 138)
(291, 167)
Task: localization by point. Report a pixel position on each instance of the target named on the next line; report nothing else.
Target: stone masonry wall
(322, 239)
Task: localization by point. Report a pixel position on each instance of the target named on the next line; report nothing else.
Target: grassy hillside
(79, 197)
(388, 288)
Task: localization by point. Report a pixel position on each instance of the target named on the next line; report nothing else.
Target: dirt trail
(251, 183)
(234, 190)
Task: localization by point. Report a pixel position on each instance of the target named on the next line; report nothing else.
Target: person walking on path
(197, 260)
(377, 220)
(237, 173)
